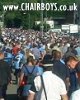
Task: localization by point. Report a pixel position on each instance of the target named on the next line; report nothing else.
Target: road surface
(11, 91)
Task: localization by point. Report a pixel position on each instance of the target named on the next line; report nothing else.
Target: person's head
(1, 55)
(30, 60)
(57, 55)
(71, 45)
(71, 61)
(8, 50)
(34, 45)
(53, 52)
(47, 63)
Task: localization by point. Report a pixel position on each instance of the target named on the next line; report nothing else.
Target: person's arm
(21, 78)
(21, 75)
(64, 97)
(67, 82)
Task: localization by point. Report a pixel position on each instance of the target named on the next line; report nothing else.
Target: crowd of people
(50, 60)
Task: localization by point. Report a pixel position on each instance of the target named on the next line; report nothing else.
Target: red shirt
(15, 50)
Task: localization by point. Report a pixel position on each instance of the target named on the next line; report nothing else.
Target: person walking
(74, 64)
(5, 76)
(48, 86)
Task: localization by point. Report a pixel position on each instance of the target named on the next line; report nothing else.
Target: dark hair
(71, 45)
(47, 58)
(57, 55)
(53, 51)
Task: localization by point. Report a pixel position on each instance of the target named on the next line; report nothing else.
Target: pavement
(12, 90)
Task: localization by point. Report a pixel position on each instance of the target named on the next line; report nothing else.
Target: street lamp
(42, 27)
(46, 18)
(28, 20)
(3, 17)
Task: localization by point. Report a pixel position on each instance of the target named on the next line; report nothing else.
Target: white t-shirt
(75, 95)
(53, 84)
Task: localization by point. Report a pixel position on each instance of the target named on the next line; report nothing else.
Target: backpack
(30, 76)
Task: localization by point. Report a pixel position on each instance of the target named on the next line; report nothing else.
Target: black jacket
(60, 69)
(5, 72)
